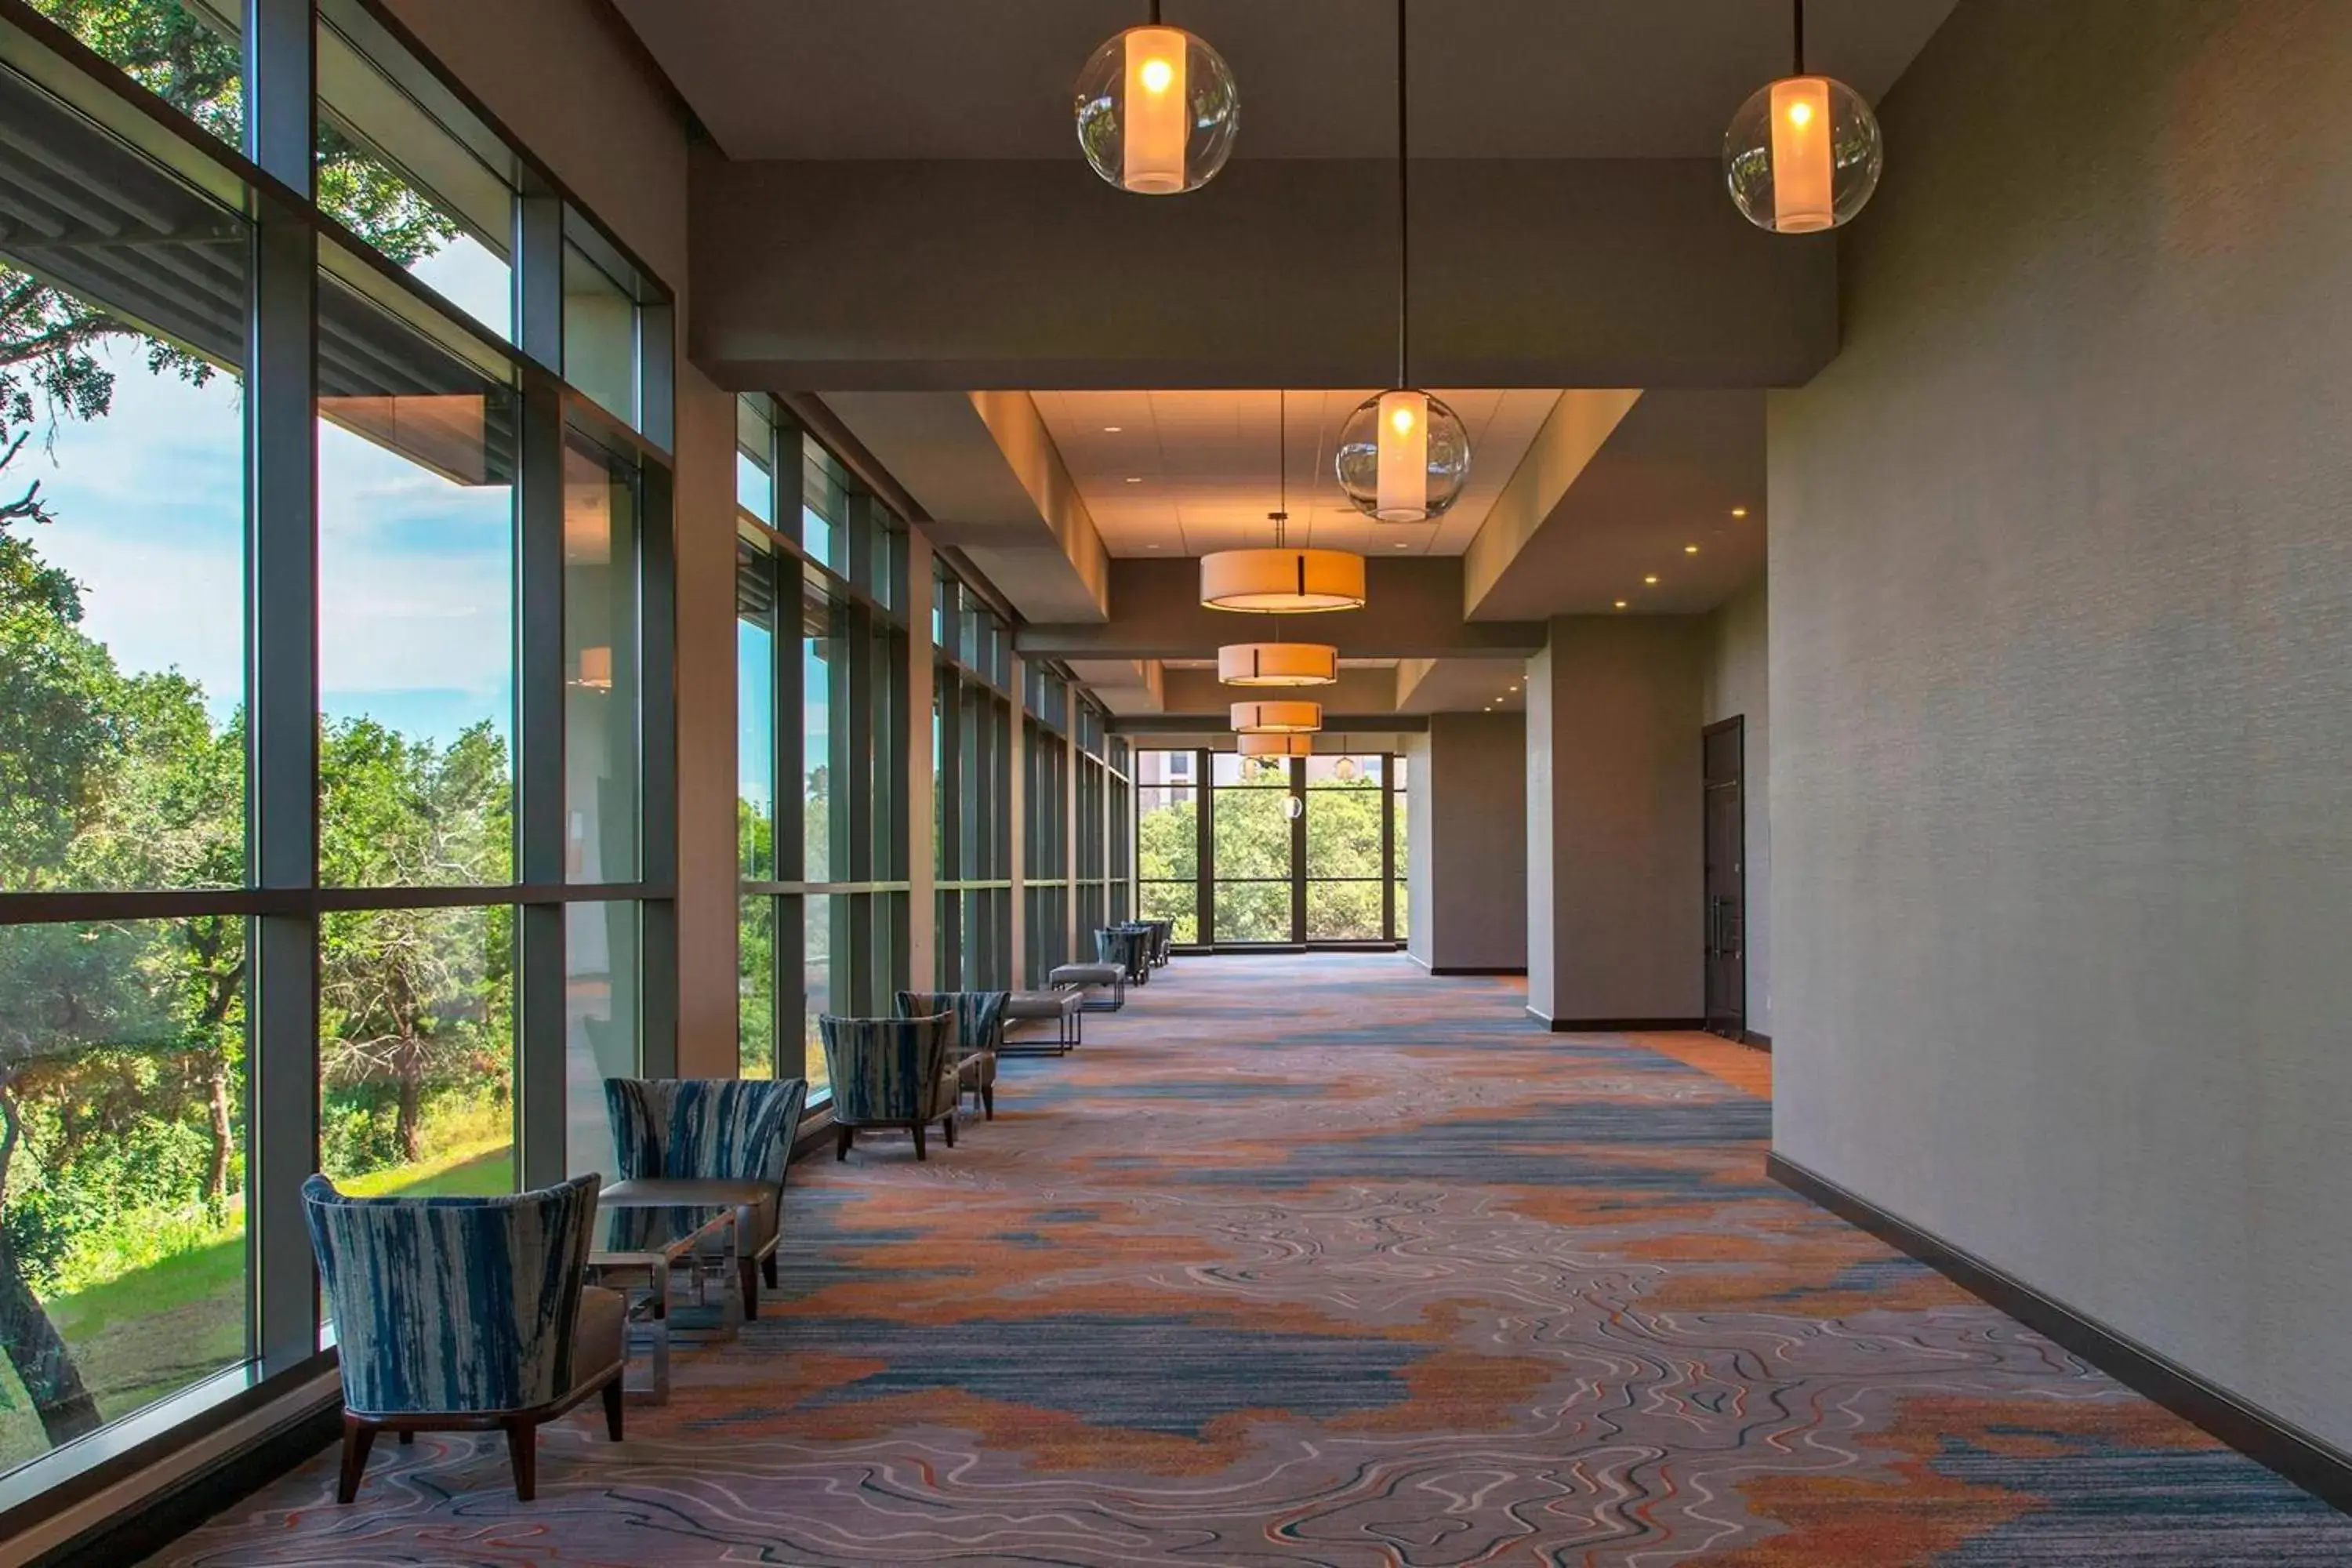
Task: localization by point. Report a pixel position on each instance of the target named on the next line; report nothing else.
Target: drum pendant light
(1403, 455)
(1277, 718)
(1274, 745)
(1283, 580)
(1804, 153)
(1279, 663)
(1157, 110)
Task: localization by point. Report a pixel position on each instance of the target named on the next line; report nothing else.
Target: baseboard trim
(1763, 1042)
(1476, 968)
(1622, 1025)
(2311, 1462)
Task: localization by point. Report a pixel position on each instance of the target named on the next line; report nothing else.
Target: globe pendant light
(1277, 718)
(1279, 663)
(1273, 746)
(1157, 110)
(1403, 455)
(1804, 153)
(1282, 581)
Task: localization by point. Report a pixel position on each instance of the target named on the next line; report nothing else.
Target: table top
(681, 1191)
(668, 1231)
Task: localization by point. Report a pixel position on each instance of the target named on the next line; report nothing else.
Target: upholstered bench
(1090, 977)
(1060, 1006)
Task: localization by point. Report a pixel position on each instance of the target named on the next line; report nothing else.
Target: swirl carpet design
(1322, 1260)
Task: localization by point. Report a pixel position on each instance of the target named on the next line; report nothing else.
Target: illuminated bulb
(1739, 511)
(1690, 549)
(1157, 111)
(1651, 580)
(1621, 604)
(1802, 154)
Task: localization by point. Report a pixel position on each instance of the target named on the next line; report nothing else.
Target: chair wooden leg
(918, 1141)
(946, 1123)
(406, 1437)
(768, 1269)
(522, 1453)
(747, 1278)
(842, 1137)
(988, 1099)
(613, 1408)
(358, 1436)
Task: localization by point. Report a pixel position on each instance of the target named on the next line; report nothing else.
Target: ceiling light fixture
(1403, 455)
(1113, 430)
(1804, 153)
(1651, 580)
(1690, 549)
(1621, 604)
(1739, 511)
(1274, 745)
(1157, 110)
(1277, 718)
(1282, 581)
(1279, 663)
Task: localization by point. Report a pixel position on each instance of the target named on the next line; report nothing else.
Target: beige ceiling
(1181, 473)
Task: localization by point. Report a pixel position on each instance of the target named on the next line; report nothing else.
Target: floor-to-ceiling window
(1091, 866)
(333, 629)
(822, 716)
(1045, 762)
(1168, 841)
(1283, 850)
(972, 719)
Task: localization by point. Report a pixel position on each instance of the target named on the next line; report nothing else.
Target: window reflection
(600, 665)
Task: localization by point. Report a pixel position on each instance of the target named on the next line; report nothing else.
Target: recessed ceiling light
(1403, 545)
(1151, 547)
(1135, 479)
(1690, 549)
(1739, 511)
(1653, 581)
(1621, 604)
(1113, 430)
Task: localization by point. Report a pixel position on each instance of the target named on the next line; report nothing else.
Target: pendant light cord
(1155, 13)
(1282, 482)
(1798, 6)
(1404, 216)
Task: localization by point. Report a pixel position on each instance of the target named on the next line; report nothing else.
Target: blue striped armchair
(891, 1072)
(713, 1129)
(464, 1314)
(979, 1035)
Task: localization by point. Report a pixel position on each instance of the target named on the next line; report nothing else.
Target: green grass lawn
(150, 1331)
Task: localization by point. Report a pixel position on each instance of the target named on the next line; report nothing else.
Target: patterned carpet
(1324, 1261)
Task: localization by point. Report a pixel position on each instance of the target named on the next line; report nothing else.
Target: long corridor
(1320, 1260)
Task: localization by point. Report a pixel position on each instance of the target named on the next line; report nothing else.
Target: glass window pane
(1324, 769)
(1167, 832)
(1403, 905)
(186, 54)
(121, 581)
(124, 1055)
(1253, 911)
(755, 446)
(820, 916)
(1343, 911)
(823, 747)
(755, 1031)
(599, 335)
(391, 170)
(1343, 831)
(1251, 833)
(755, 710)
(824, 504)
(1178, 902)
(417, 1050)
(600, 664)
(600, 1024)
(415, 609)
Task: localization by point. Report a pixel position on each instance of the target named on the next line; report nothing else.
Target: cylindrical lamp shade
(1277, 664)
(1277, 718)
(1802, 154)
(1273, 746)
(1284, 581)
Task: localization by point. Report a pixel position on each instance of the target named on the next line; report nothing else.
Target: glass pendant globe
(1157, 111)
(1402, 457)
(1802, 154)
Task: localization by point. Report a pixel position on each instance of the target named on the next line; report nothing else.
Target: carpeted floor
(1323, 1261)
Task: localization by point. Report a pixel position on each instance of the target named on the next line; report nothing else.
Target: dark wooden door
(1727, 877)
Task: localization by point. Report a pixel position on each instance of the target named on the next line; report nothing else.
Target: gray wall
(1615, 880)
(1738, 665)
(2061, 680)
(1421, 912)
(1474, 786)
